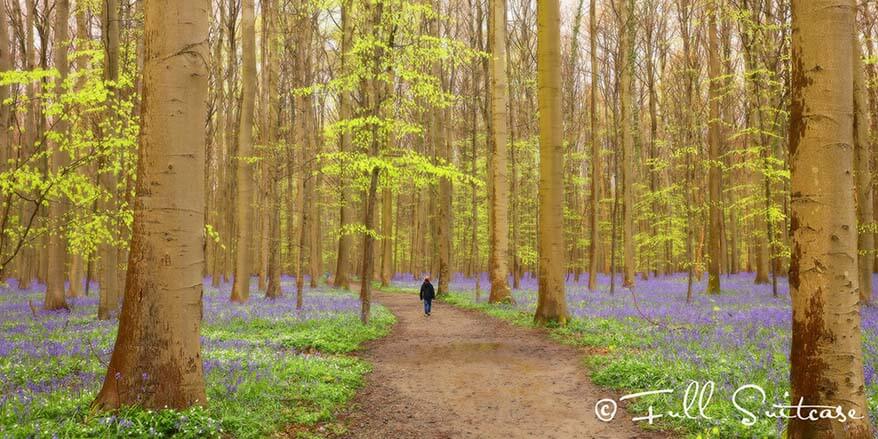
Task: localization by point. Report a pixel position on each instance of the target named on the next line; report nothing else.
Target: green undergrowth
(263, 376)
(334, 335)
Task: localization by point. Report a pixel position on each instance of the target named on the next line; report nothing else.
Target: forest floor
(463, 374)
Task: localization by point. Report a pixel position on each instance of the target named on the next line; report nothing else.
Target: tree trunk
(872, 78)
(57, 251)
(74, 289)
(444, 213)
(387, 237)
(315, 266)
(499, 261)
(626, 57)
(108, 301)
(368, 244)
(273, 290)
(6, 152)
(244, 177)
(156, 361)
(714, 150)
(863, 172)
(594, 232)
(826, 355)
(552, 302)
(372, 108)
(343, 258)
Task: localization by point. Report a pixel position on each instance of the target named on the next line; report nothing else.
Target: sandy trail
(462, 374)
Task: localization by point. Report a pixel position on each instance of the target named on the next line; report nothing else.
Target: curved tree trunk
(156, 359)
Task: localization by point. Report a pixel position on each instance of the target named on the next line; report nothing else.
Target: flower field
(266, 364)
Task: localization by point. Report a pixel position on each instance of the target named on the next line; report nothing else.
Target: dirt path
(462, 374)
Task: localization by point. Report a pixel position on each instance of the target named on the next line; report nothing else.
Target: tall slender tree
(551, 301)
(387, 237)
(863, 171)
(241, 286)
(626, 85)
(714, 140)
(499, 217)
(345, 239)
(108, 301)
(596, 168)
(373, 90)
(57, 252)
(156, 360)
(5, 65)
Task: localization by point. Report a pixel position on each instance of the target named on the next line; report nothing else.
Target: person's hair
(427, 277)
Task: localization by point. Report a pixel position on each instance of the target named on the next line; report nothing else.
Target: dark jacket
(427, 292)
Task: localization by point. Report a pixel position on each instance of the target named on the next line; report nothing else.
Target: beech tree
(626, 73)
(499, 196)
(156, 360)
(596, 171)
(826, 357)
(863, 175)
(714, 138)
(57, 251)
(109, 278)
(244, 168)
(551, 302)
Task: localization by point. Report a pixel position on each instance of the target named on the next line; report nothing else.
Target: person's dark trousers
(427, 304)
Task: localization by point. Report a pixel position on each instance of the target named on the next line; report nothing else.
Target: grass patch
(505, 311)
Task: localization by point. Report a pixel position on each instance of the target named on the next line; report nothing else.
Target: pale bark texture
(863, 173)
(551, 301)
(826, 355)
(499, 197)
(156, 360)
(57, 251)
(244, 183)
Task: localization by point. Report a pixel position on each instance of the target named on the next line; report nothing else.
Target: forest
(215, 215)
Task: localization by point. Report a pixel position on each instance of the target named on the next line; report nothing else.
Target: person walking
(427, 295)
